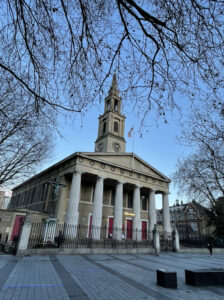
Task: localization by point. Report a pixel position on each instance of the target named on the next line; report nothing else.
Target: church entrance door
(144, 230)
(110, 227)
(17, 227)
(129, 229)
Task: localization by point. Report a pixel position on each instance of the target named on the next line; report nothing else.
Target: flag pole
(130, 133)
(133, 146)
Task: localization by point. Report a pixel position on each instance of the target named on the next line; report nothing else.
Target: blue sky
(159, 146)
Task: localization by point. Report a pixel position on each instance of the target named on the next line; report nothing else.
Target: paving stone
(106, 277)
(32, 277)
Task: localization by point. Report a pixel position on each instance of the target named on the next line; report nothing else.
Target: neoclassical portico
(104, 183)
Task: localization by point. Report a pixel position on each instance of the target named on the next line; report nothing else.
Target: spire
(114, 81)
(113, 89)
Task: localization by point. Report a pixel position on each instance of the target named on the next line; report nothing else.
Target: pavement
(103, 277)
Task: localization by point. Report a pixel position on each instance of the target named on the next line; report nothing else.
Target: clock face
(99, 147)
(116, 147)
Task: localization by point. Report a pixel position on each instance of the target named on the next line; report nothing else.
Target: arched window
(116, 105)
(116, 126)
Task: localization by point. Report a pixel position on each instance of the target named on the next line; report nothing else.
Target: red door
(90, 224)
(110, 227)
(129, 229)
(16, 226)
(144, 230)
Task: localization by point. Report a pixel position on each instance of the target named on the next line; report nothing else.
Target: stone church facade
(108, 188)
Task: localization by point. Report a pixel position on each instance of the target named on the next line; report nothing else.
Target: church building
(108, 188)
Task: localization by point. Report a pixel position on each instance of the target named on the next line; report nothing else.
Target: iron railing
(51, 235)
(3, 238)
(166, 241)
(201, 241)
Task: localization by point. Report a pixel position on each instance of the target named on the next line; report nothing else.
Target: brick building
(190, 218)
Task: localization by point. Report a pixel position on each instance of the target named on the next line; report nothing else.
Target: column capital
(121, 182)
(152, 190)
(101, 178)
(77, 171)
(138, 185)
(166, 193)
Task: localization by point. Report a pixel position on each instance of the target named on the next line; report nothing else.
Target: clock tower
(111, 123)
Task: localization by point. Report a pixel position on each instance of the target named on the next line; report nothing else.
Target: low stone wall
(73, 251)
(67, 251)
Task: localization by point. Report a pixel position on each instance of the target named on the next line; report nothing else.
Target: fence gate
(166, 242)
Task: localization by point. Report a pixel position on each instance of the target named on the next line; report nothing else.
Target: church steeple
(113, 88)
(111, 123)
(113, 101)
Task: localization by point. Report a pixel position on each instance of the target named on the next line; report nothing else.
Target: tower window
(104, 127)
(116, 126)
(116, 105)
(108, 105)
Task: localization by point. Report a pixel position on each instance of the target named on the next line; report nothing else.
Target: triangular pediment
(128, 161)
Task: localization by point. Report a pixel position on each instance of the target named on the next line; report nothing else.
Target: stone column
(24, 237)
(176, 241)
(152, 211)
(117, 227)
(97, 208)
(166, 214)
(72, 215)
(62, 201)
(136, 234)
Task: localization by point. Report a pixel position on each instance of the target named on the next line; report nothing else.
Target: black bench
(205, 277)
(167, 279)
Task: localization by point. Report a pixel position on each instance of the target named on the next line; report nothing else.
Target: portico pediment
(127, 161)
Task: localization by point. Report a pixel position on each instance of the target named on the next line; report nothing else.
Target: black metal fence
(3, 239)
(166, 242)
(201, 241)
(51, 235)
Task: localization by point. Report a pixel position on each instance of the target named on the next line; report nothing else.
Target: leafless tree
(201, 175)
(25, 138)
(61, 52)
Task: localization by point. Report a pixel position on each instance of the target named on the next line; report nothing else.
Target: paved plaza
(103, 276)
